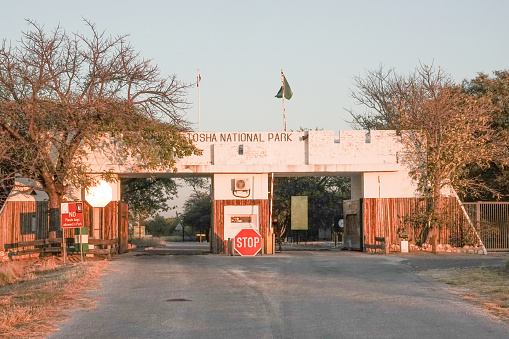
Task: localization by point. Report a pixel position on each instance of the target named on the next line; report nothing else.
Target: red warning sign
(71, 214)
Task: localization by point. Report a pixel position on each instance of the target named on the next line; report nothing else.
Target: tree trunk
(54, 222)
(54, 206)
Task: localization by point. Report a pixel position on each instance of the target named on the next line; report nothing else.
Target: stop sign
(248, 242)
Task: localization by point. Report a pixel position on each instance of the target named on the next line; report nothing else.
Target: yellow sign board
(299, 211)
(139, 232)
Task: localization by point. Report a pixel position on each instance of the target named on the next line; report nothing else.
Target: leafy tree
(160, 226)
(448, 130)
(197, 211)
(62, 95)
(496, 89)
(325, 201)
(146, 196)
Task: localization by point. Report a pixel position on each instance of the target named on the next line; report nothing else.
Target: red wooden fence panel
(385, 217)
(23, 221)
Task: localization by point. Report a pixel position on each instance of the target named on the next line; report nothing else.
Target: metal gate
(492, 221)
(123, 226)
(353, 235)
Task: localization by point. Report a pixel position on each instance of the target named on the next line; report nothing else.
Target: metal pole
(63, 244)
(199, 108)
(81, 245)
(271, 203)
(283, 97)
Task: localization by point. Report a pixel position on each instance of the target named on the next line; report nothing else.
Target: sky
(240, 48)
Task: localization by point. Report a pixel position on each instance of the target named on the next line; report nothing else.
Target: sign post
(81, 238)
(71, 214)
(248, 242)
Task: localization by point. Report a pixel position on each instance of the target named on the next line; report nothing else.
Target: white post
(63, 242)
(81, 245)
(283, 97)
(271, 203)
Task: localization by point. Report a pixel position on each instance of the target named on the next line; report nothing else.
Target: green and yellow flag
(287, 90)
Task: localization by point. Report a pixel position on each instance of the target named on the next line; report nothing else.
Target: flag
(198, 79)
(288, 90)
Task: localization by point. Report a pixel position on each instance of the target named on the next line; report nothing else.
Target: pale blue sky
(241, 46)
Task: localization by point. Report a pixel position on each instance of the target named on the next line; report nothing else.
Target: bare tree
(447, 130)
(378, 92)
(60, 93)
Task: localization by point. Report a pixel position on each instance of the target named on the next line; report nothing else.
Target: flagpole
(283, 97)
(271, 228)
(199, 113)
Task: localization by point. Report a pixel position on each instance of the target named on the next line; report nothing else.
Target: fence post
(478, 215)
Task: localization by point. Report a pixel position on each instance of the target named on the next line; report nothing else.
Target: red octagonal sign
(248, 242)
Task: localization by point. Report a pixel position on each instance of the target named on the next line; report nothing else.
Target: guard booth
(240, 202)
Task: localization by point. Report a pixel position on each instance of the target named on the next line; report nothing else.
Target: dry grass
(15, 271)
(35, 294)
(10, 272)
(486, 286)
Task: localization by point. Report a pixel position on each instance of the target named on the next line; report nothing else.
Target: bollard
(404, 246)
(231, 250)
(434, 241)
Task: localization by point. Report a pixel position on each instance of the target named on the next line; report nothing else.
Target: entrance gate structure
(240, 164)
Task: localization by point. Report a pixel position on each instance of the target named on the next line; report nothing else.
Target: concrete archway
(370, 158)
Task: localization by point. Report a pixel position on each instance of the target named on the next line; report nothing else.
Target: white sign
(237, 218)
(100, 195)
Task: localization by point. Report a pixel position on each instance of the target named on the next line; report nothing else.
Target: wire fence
(491, 220)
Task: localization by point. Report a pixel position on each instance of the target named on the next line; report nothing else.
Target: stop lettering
(248, 242)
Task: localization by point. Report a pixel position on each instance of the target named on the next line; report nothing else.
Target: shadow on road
(176, 248)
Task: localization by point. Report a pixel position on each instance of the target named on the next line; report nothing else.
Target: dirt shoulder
(487, 287)
(35, 294)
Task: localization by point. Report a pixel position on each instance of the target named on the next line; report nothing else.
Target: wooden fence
(23, 221)
(24, 228)
(388, 218)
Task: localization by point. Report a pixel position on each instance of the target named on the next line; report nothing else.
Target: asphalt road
(320, 294)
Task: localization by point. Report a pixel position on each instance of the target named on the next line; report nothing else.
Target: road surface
(320, 294)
